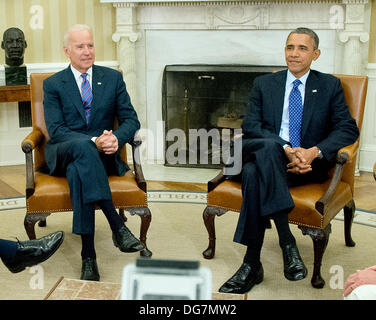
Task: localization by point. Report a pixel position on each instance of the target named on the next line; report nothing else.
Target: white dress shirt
(284, 131)
(79, 79)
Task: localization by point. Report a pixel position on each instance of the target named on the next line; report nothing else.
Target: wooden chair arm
(344, 155)
(28, 145)
(213, 183)
(33, 139)
(349, 151)
(136, 144)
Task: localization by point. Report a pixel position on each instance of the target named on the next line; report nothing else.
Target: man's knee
(249, 171)
(262, 150)
(262, 144)
(83, 147)
(271, 145)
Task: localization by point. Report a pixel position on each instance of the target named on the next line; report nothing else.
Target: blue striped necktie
(295, 114)
(87, 96)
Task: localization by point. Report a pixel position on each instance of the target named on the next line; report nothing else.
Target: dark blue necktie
(87, 96)
(295, 114)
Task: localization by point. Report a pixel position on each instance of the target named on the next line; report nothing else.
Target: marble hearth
(153, 34)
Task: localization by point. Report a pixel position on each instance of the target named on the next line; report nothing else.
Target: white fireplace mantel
(152, 34)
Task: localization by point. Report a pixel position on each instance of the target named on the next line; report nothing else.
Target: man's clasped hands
(300, 159)
(107, 142)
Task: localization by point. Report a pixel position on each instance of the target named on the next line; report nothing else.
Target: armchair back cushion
(37, 111)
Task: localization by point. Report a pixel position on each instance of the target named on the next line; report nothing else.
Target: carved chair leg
(208, 216)
(30, 220)
(349, 211)
(320, 240)
(122, 215)
(145, 223)
(145, 216)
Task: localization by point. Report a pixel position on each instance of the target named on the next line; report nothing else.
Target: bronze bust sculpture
(14, 44)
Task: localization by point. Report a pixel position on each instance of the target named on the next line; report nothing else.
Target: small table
(16, 93)
(72, 289)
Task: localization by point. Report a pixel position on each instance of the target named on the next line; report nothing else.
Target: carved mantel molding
(238, 15)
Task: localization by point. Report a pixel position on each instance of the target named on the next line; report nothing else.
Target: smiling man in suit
(80, 107)
(297, 121)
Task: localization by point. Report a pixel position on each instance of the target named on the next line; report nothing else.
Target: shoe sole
(248, 288)
(25, 265)
(258, 281)
(301, 277)
(91, 279)
(128, 250)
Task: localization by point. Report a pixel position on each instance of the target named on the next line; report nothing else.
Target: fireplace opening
(203, 106)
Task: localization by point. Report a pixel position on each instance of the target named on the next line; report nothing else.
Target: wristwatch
(319, 154)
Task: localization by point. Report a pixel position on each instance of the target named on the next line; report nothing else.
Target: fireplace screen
(203, 106)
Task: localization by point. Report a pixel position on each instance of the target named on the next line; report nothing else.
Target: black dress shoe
(32, 252)
(126, 241)
(294, 268)
(243, 280)
(89, 270)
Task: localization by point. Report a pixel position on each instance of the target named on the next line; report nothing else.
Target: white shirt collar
(77, 74)
(291, 78)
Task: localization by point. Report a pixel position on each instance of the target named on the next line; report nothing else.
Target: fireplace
(153, 34)
(202, 107)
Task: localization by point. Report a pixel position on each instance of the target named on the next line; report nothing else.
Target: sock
(113, 218)
(252, 255)
(8, 249)
(281, 222)
(88, 250)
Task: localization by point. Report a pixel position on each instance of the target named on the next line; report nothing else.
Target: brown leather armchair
(315, 204)
(46, 194)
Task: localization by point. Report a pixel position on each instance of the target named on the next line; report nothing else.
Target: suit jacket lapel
(98, 90)
(310, 98)
(72, 91)
(278, 95)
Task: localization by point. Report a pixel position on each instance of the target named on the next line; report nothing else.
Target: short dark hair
(310, 32)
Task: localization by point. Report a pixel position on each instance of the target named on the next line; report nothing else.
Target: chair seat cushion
(52, 193)
(305, 198)
(228, 196)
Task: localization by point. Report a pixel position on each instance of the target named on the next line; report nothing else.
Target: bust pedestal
(15, 75)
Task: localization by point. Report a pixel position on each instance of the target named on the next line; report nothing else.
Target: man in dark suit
(80, 107)
(297, 121)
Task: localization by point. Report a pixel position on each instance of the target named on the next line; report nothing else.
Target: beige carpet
(177, 232)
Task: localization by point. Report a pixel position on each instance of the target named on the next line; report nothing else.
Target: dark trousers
(265, 187)
(8, 249)
(87, 173)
